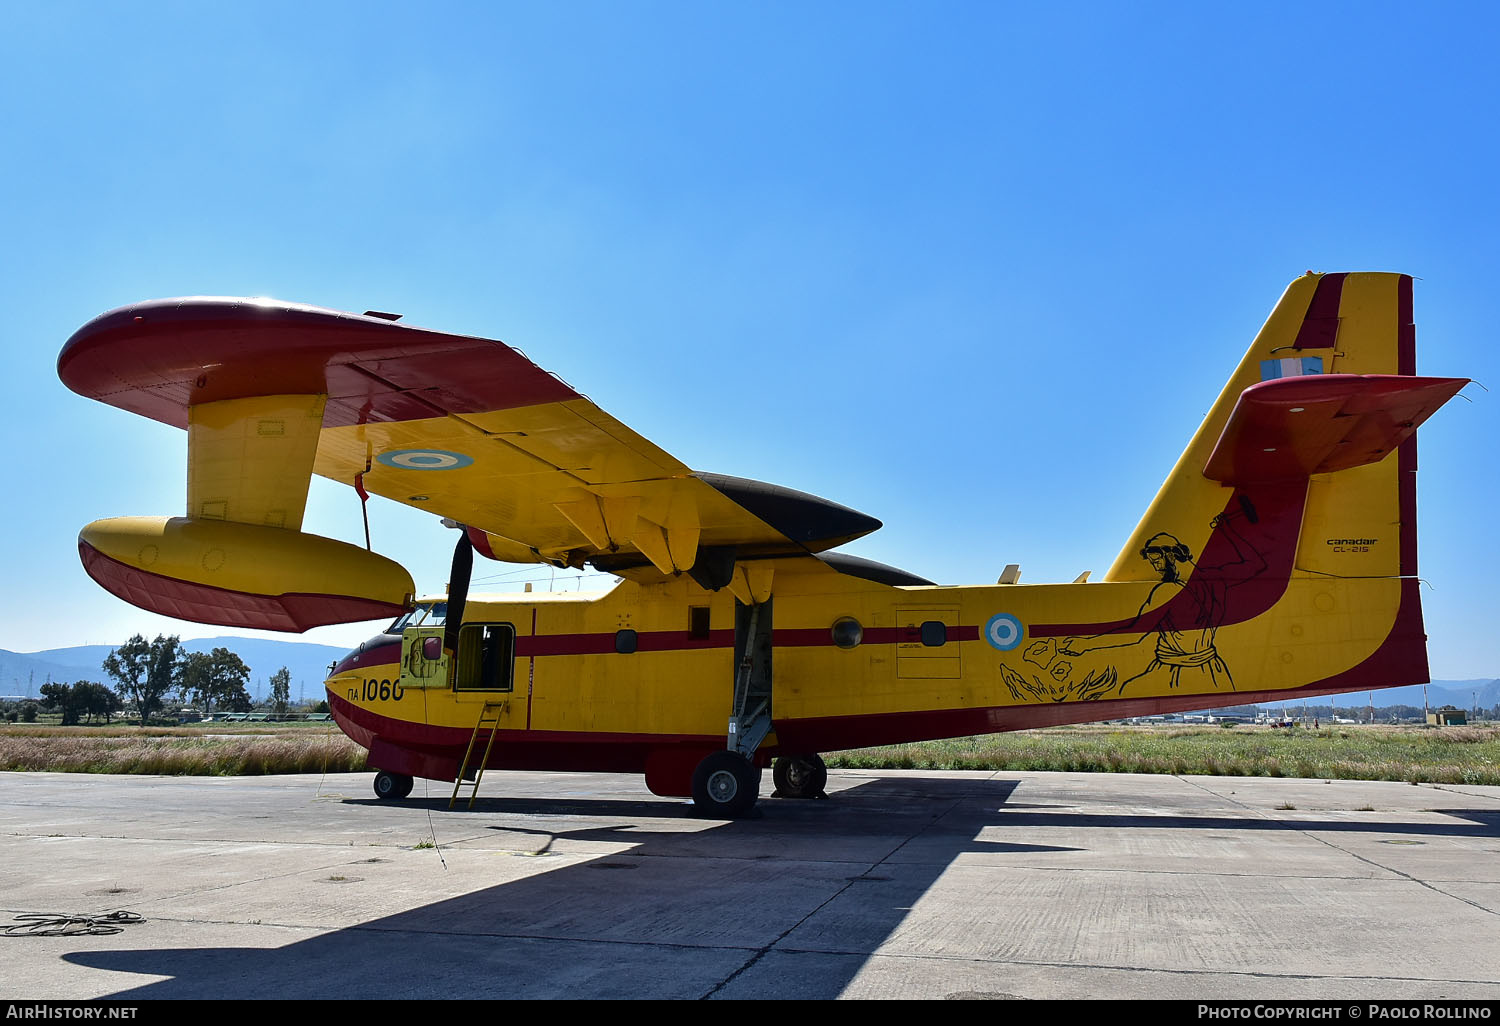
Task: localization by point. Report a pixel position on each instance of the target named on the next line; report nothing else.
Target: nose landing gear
(392, 786)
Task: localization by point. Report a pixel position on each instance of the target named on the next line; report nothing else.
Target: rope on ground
(52, 924)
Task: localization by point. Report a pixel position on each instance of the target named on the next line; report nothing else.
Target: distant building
(1447, 716)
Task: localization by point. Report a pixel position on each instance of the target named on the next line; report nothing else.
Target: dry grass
(179, 752)
(1455, 755)
(1451, 755)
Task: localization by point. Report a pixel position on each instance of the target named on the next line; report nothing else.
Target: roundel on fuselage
(1004, 631)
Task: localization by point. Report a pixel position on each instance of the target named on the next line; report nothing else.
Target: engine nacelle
(241, 575)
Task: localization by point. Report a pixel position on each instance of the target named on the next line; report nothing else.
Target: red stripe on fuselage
(808, 637)
(599, 644)
(666, 641)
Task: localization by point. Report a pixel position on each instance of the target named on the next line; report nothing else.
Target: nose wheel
(391, 786)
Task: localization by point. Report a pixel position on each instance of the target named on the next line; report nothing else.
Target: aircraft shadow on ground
(657, 932)
(864, 858)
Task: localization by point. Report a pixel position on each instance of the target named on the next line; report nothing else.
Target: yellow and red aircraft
(1278, 559)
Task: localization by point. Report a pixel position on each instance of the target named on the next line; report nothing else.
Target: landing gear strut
(800, 776)
(391, 786)
(727, 783)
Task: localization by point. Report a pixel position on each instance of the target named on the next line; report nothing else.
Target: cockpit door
(424, 663)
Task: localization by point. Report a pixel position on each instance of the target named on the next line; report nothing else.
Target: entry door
(484, 673)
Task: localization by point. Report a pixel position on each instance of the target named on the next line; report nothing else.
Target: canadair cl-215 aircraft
(1279, 559)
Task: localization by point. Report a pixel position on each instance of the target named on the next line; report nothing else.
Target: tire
(725, 785)
(392, 786)
(800, 776)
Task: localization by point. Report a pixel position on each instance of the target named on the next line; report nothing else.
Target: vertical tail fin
(1359, 521)
(1304, 471)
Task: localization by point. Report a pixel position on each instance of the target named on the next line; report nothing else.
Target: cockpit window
(427, 614)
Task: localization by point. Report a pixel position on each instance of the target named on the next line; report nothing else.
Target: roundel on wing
(424, 459)
(1004, 631)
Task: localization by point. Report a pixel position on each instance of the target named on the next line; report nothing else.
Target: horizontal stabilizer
(1291, 428)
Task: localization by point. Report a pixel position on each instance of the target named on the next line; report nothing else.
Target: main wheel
(391, 786)
(725, 785)
(800, 776)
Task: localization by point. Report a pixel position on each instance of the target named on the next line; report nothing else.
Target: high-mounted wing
(468, 428)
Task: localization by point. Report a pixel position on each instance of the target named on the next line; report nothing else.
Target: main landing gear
(391, 786)
(800, 776)
(725, 784)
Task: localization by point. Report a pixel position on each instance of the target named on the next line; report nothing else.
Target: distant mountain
(1458, 693)
(22, 673)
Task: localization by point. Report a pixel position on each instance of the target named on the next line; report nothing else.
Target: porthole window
(847, 632)
(934, 633)
(625, 641)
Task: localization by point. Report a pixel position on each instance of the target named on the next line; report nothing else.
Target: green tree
(215, 678)
(62, 698)
(281, 691)
(145, 670)
(96, 700)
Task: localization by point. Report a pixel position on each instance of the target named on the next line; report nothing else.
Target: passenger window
(486, 660)
(934, 633)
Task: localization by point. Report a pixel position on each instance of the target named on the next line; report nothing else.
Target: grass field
(1452, 755)
(211, 749)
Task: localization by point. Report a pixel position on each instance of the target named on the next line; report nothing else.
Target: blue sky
(975, 269)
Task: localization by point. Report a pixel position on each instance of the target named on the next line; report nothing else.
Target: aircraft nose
(381, 650)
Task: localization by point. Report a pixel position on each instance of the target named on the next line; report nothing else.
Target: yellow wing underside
(555, 482)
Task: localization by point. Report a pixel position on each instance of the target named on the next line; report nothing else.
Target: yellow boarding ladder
(489, 716)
